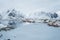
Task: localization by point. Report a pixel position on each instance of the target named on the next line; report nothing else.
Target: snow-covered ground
(32, 31)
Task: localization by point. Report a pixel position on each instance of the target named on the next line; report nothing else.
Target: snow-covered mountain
(12, 13)
(58, 12)
(15, 16)
(11, 17)
(43, 15)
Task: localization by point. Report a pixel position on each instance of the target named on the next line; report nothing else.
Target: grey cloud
(30, 5)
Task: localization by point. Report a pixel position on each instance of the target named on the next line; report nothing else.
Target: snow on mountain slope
(38, 14)
(43, 15)
(11, 13)
(10, 18)
(58, 12)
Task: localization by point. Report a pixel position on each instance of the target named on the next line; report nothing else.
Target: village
(54, 22)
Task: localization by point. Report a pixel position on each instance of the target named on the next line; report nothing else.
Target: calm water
(36, 31)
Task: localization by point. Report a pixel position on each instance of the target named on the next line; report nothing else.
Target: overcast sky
(28, 6)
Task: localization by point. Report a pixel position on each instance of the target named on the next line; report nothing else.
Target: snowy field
(32, 31)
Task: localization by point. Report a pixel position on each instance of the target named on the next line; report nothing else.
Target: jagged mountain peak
(44, 15)
(38, 15)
